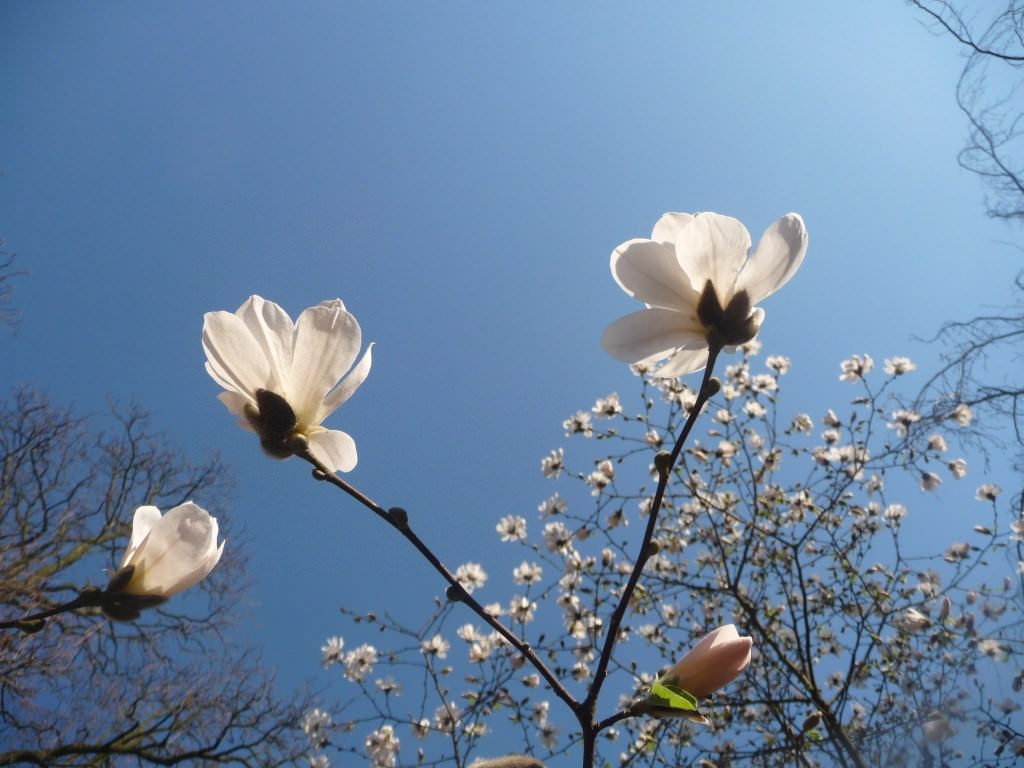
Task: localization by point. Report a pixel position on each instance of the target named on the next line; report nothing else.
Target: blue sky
(457, 173)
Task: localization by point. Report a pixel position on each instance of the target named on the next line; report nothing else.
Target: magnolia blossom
(169, 553)
(700, 287)
(718, 659)
(282, 379)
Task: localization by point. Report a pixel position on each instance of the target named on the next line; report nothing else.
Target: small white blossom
(962, 414)
(553, 464)
(554, 505)
(531, 681)
(388, 686)
(332, 652)
(315, 724)
(653, 439)
(912, 620)
(895, 512)
(435, 646)
(902, 420)
(937, 443)
(521, 609)
(446, 718)
(512, 528)
(471, 576)
(1017, 526)
(607, 407)
(830, 419)
(318, 761)
(993, 649)
(359, 663)
(527, 573)
(549, 735)
(930, 481)
(421, 728)
(557, 537)
(754, 409)
(988, 492)
(578, 424)
(802, 423)
(957, 468)
(382, 747)
(600, 478)
(856, 367)
(897, 366)
(778, 363)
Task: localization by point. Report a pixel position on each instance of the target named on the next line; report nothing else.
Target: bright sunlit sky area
(458, 173)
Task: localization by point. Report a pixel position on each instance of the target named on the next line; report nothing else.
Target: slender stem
(398, 520)
(86, 599)
(665, 472)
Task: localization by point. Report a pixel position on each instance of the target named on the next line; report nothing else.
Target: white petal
(668, 226)
(649, 332)
(346, 386)
(272, 330)
(236, 404)
(178, 547)
(334, 449)
(713, 247)
(235, 359)
(145, 518)
(683, 362)
(649, 271)
(327, 340)
(779, 254)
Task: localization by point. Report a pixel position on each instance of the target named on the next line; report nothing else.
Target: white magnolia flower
(315, 724)
(382, 747)
(700, 287)
(282, 379)
(607, 407)
(171, 553)
(897, 366)
(856, 367)
(359, 663)
(333, 652)
(435, 646)
(512, 528)
(471, 576)
(553, 464)
(988, 492)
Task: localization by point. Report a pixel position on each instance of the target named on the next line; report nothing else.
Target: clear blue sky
(457, 173)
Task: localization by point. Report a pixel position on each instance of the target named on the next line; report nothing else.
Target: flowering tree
(161, 685)
(862, 649)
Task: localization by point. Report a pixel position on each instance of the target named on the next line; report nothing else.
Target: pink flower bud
(718, 659)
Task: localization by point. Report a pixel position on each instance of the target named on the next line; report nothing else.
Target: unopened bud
(811, 722)
(662, 462)
(944, 608)
(653, 548)
(319, 474)
(454, 594)
(399, 517)
(713, 387)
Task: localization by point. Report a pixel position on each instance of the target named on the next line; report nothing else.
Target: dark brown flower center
(274, 421)
(729, 326)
